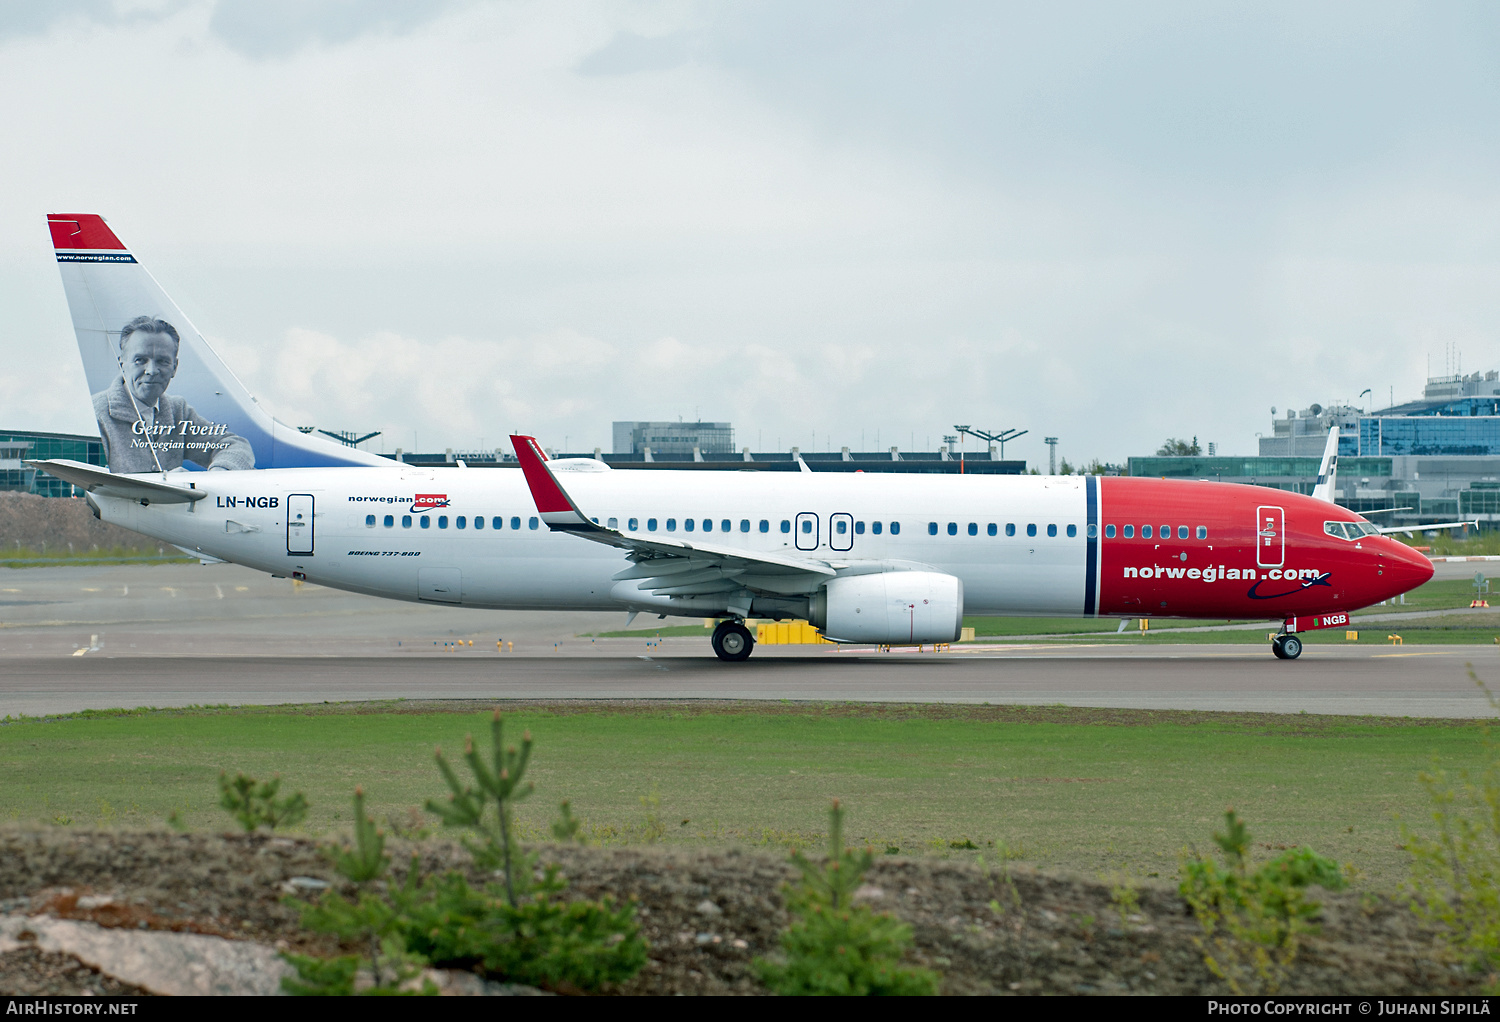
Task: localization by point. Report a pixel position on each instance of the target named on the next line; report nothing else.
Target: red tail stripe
(81, 230)
(548, 495)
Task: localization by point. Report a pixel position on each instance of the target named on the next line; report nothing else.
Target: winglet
(552, 502)
(1328, 470)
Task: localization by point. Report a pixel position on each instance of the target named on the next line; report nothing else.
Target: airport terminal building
(1438, 458)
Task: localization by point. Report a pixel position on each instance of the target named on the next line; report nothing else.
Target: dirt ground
(709, 913)
(55, 524)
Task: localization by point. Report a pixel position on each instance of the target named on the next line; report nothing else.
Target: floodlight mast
(994, 438)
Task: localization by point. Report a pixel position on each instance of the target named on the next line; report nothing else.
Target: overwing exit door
(1270, 537)
(807, 531)
(299, 525)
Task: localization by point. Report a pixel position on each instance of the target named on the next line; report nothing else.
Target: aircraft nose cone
(1406, 568)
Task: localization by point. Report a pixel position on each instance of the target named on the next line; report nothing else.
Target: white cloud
(550, 216)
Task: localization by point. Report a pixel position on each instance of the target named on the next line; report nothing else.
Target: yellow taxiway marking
(80, 652)
(1436, 652)
(88, 590)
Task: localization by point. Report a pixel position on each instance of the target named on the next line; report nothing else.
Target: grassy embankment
(18, 556)
(1088, 789)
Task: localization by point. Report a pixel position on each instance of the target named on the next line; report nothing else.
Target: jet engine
(891, 607)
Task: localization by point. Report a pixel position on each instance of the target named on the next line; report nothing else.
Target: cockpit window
(1350, 530)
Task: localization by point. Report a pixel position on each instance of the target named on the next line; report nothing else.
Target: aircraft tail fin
(1328, 470)
(163, 398)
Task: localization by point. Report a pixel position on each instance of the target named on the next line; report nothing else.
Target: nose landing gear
(732, 641)
(1286, 646)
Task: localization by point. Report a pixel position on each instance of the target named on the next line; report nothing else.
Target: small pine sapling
(367, 860)
(254, 804)
(566, 826)
(1455, 873)
(1253, 920)
(834, 945)
(499, 781)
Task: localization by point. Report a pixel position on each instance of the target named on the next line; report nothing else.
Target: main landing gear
(732, 640)
(1286, 646)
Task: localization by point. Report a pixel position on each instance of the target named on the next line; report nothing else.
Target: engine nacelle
(892, 607)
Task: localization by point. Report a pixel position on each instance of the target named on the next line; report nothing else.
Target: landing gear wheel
(732, 641)
(1286, 646)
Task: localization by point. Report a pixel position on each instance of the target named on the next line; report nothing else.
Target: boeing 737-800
(868, 558)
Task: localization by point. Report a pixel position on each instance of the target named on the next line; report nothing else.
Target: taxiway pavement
(126, 636)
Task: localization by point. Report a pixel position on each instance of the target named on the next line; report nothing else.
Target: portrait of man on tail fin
(144, 428)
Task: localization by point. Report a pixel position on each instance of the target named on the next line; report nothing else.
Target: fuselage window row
(1183, 531)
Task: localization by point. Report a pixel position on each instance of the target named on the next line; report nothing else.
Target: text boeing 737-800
(866, 557)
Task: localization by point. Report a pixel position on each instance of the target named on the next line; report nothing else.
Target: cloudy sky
(1107, 222)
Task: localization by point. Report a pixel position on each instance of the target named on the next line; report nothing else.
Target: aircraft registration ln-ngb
(195, 461)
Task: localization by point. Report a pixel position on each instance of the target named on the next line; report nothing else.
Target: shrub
(1455, 874)
(1253, 919)
(254, 804)
(519, 929)
(835, 946)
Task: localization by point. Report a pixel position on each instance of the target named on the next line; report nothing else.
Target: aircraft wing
(99, 480)
(668, 567)
(1409, 529)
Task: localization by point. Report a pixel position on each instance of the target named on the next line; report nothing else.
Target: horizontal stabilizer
(102, 481)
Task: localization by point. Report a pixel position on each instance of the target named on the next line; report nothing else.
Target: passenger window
(1182, 532)
(369, 521)
(1166, 532)
(632, 524)
(973, 528)
(991, 529)
(725, 525)
(1052, 531)
(875, 528)
(786, 525)
(1145, 532)
(442, 521)
(953, 528)
(744, 525)
(687, 525)
(532, 523)
(515, 523)
(497, 523)
(932, 528)
(1010, 528)
(765, 526)
(1129, 531)
(426, 522)
(613, 523)
(895, 528)
(650, 524)
(859, 528)
(1093, 531)
(1202, 532)
(1031, 530)
(479, 521)
(390, 520)
(463, 522)
(807, 526)
(841, 527)
(406, 521)
(671, 525)
(1109, 532)
(1073, 531)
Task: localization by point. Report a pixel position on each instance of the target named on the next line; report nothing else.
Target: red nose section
(1405, 568)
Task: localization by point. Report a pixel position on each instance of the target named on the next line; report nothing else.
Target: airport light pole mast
(994, 438)
(1051, 443)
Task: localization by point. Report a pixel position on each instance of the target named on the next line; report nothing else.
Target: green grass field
(1092, 790)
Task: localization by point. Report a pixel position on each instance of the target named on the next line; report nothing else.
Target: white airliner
(868, 558)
